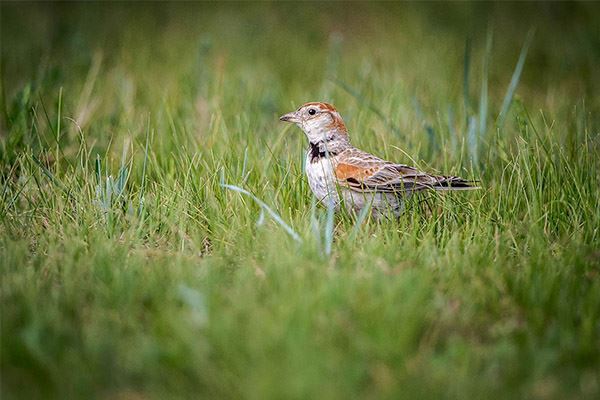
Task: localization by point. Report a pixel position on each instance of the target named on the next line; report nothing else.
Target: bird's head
(319, 121)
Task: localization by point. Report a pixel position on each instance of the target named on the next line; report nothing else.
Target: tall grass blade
(58, 119)
(244, 165)
(98, 168)
(466, 73)
(483, 97)
(514, 81)
(141, 200)
(451, 130)
(329, 226)
(472, 141)
(314, 222)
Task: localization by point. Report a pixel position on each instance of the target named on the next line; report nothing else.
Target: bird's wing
(361, 171)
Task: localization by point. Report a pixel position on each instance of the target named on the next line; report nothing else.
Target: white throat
(316, 131)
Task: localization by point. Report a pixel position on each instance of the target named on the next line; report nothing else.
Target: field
(158, 238)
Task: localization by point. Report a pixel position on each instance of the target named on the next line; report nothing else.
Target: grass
(159, 239)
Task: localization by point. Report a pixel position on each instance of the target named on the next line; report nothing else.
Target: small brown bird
(341, 173)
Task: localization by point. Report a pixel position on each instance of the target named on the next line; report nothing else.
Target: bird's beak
(289, 117)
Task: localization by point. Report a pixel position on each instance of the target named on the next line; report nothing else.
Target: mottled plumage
(338, 171)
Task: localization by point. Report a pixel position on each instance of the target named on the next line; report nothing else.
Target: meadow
(158, 238)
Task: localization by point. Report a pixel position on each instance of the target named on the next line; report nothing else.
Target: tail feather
(455, 183)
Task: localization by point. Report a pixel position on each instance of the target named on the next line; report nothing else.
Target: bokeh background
(130, 272)
(261, 59)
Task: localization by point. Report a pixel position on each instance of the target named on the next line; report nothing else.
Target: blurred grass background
(130, 272)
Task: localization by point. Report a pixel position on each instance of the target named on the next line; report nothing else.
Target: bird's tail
(455, 183)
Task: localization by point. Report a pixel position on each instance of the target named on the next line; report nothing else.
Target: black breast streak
(316, 153)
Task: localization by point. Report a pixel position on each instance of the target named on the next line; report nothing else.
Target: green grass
(130, 271)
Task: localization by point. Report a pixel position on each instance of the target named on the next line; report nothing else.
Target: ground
(131, 270)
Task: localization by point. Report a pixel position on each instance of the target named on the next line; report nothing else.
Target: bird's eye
(312, 111)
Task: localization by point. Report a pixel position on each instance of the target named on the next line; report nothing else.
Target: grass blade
(329, 226)
(466, 72)
(268, 209)
(483, 98)
(364, 213)
(141, 201)
(514, 81)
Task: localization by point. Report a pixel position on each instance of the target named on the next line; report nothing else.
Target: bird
(339, 173)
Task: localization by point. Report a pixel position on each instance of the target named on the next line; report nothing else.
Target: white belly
(321, 180)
